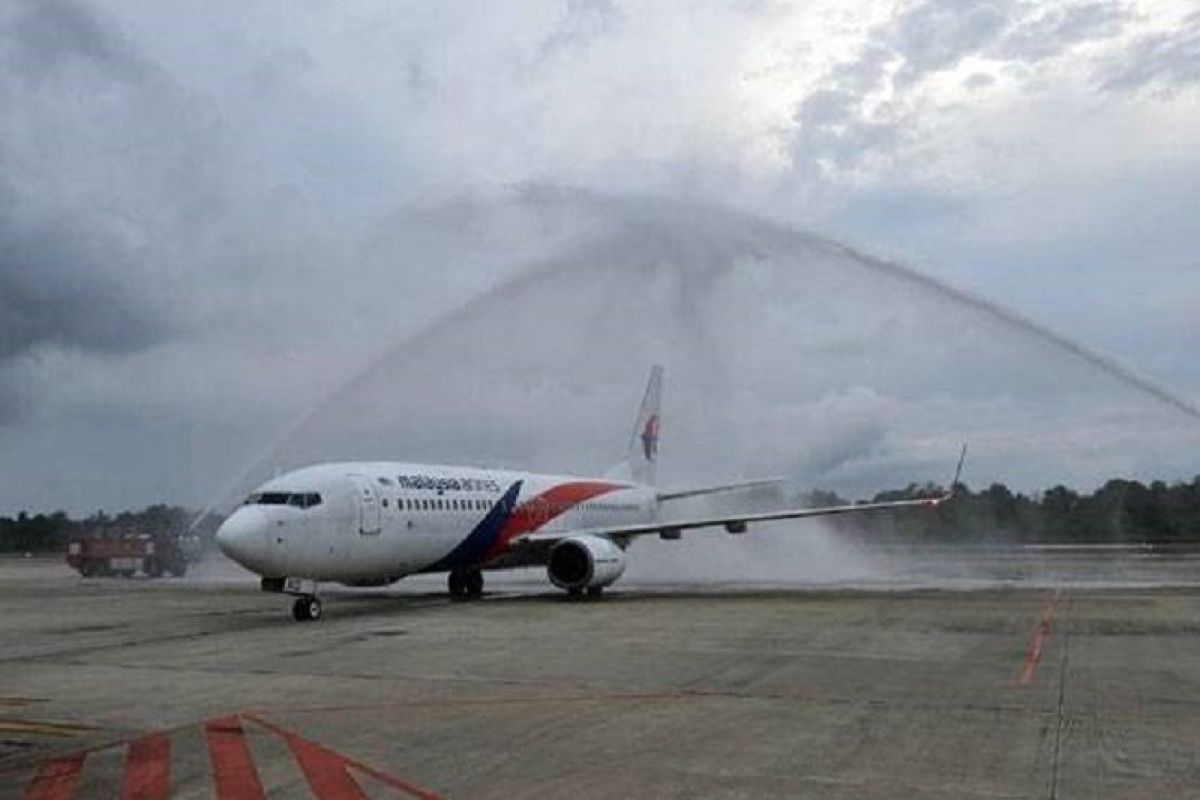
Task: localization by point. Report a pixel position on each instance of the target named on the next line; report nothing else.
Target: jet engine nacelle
(585, 562)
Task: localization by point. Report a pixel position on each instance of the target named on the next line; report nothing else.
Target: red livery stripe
(537, 511)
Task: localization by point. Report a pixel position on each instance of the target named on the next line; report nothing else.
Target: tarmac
(982, 674)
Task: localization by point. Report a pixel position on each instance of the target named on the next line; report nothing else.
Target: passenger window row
(465, 504)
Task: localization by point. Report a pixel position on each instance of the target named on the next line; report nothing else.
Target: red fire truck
(125, 554)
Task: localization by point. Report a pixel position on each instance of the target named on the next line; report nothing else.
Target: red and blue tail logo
(650, 438)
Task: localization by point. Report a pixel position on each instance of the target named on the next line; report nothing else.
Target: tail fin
(641, 462)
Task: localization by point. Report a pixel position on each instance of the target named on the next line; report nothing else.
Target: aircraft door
(369, 512)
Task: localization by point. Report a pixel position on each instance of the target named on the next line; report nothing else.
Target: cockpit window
(296, 499)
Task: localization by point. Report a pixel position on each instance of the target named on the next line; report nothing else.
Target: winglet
(950, 492)
(958, 470)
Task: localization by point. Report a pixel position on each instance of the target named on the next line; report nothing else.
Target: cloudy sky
(237, 237)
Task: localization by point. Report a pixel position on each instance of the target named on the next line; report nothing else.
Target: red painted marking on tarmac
(1034, 655)
(327, 772)
(56, 779)
(148, 768)
(233, 767)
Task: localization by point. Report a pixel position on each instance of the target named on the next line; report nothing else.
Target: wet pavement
(992, 672)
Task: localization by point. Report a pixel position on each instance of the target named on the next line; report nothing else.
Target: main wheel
(306, 608)
(474, 583)
(595, 591)
(456, 583)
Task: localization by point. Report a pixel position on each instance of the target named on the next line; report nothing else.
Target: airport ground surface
(1046, 677)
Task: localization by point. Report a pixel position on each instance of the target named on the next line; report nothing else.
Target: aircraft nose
(243, 537)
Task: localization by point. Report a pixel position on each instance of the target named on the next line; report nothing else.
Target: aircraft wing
(679, 494)
(734, 523)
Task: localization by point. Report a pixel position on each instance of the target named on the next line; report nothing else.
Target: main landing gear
(306, 608)
(465, 583)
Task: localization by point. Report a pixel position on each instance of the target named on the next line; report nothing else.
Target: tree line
(1119, 512)
(44, 533)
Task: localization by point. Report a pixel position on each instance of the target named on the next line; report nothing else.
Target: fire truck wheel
(88, 570)
(177, 569)
(154, 569)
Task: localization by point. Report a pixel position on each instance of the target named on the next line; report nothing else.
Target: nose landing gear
(306, 609)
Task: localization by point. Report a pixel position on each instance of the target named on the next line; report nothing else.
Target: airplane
(372, 523)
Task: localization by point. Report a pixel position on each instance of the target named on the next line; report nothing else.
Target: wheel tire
(177, 569)
(314, 609)
(154, 569)
(88, 570)
(575, 593)
(474, 583)
(595, 591)
(456, 584)
(300, 610)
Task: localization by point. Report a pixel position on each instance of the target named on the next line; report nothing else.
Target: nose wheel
(306, 609)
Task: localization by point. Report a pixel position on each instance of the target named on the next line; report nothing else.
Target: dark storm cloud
(1168, 60)
(69, 279)
(47, 35)
(62, 286)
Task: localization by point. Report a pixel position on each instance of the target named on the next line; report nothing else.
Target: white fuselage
(375, 522)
